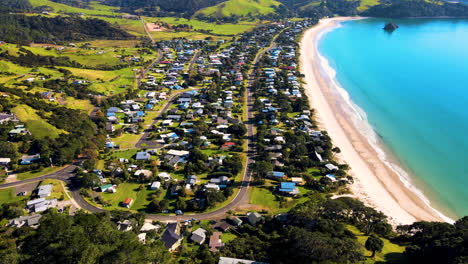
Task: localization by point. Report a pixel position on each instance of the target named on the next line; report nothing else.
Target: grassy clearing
(240, 8)
(97, 9)
(58, 191)
(222, 29)
(38, 127)
(37, 173)
(104, 43)
(73, 103)
(366, 4)
(188, 35)
(126, 141)
(134, 27)
(106, 82)
(391, 253)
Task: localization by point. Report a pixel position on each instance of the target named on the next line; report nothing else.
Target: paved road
(66, 173)
(144, 142)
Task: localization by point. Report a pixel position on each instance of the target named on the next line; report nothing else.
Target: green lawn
(227, 237)
(264, 197)
(38, 127)
(34, 174)
(128, 190)
(8, 196)
(58, 191)
(125, 154)
(391, 252)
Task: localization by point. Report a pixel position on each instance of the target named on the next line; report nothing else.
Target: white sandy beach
(375, 183)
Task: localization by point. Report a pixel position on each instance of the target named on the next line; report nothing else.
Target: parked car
(179, 212)
(22, 193)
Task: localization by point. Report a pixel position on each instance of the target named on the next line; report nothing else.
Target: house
(125, 225)
(142, 237)
(4, 118)
(276, 175)
(171, 236)
(143, 156)
(149, 227)
(227, 146)
(225, 260)
(166, 176)
(41, 204)
(236, 221)
(108, 188)
(254, 218)
(288, 188)
(5, 161)
(331, 177)
(331, 167)
(28, 159)
(215, 241)
(127, 202)
(212, 186)
(297, 180)
(155, 185)
(198, 236)
(27, 220)
(146, 173)
(192, 179)
(44, 191)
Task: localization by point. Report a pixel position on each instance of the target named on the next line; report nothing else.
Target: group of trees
(81, 137)
(26, 29)
(83, 238)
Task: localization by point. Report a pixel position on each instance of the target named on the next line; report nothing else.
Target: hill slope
(240, 8)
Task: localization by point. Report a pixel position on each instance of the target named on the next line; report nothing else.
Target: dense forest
(417, 8)
(313, 232)
(14, 6)
(26, 29)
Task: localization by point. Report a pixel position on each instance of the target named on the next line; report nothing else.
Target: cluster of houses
(172, 236)
(280, 77)
(40, 203)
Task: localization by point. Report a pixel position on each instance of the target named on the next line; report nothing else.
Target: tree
(374, 244)
(8, 150)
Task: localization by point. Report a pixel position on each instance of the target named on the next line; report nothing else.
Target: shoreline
(377, 181)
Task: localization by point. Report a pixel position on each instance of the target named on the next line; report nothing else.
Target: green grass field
(391, 253)
(9, 196)
(106, 82)
(58, 191)
(35, 173)
(38, 127)
(222, 29)
(240, 8)
(128, 190)
(97, 9)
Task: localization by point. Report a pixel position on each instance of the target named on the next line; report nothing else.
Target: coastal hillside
(240, 8)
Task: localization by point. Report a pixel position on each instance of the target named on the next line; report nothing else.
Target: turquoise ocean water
(413, 86)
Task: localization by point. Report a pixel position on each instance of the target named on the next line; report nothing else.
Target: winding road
(66, 174)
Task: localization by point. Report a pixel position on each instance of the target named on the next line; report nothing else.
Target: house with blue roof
(276, 175)
(288, 188)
